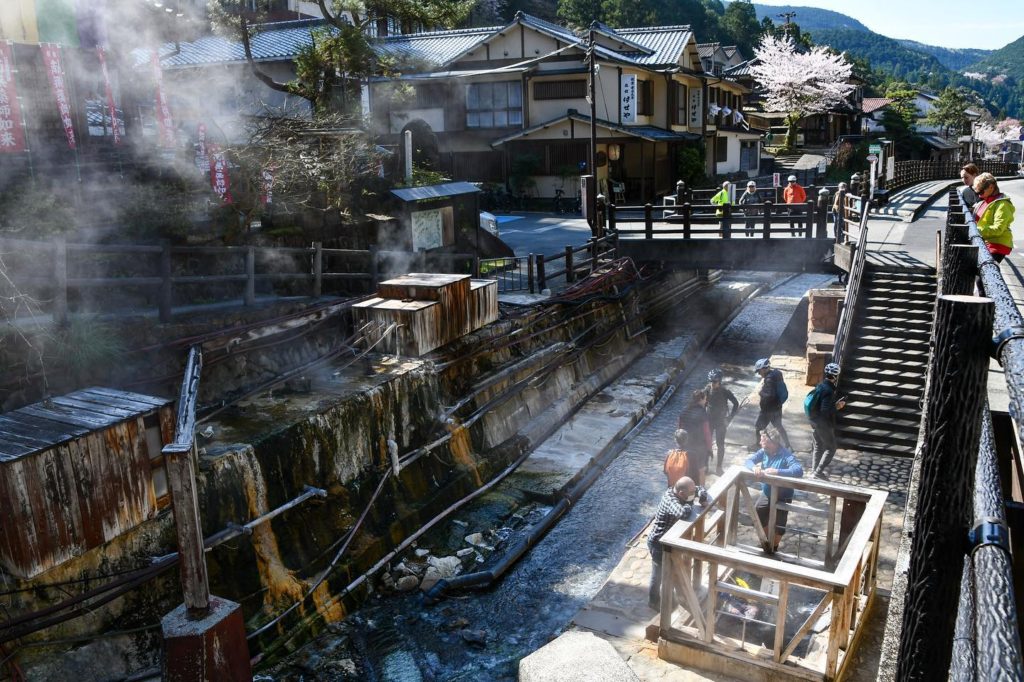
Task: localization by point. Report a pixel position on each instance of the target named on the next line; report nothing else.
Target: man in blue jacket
(823, 421)
(773, 459)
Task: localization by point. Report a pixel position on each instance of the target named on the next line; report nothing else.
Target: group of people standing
(703, 423)
(992, 210)
(750, 202)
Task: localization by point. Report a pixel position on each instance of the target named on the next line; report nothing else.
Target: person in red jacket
(793, 194)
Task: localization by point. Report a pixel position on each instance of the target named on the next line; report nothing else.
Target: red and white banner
(12, 130)
(219, 178)
(55, 74)
(115, 125)
(165, 124)
(267, 195)
(202, 153)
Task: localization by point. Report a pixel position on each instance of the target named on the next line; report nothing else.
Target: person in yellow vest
(721, 199)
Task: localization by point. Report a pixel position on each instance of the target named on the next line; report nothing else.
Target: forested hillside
(957, 59)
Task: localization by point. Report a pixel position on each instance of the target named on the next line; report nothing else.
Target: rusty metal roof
(38, 427)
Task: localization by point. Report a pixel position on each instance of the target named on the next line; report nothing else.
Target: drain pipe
(594, 470)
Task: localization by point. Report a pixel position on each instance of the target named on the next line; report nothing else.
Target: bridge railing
(536, 272)
(727, 221)
(953, 613)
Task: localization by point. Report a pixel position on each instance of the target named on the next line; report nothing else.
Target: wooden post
(529, 272)
(726, 222)
(809, 219)
(541, 277)
(767, 220)
(570, 275)
(648, 221)
(180, 457)
(595, 246)
(687, 211)
(166, 290)
(60, 281)
(250, 275)
(682, 195)
(951, 433)
(822, 213)
(600, 215)
(959, 269)
(840, 217)
(374, 267)
(318, 269)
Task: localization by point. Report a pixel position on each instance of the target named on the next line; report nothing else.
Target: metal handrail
(852, 291)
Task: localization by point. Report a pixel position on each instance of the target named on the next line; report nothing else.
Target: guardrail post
(840, 217)
(570, 274)
(601, 203)
(682, 194)
(959, 268)
(318, 269)
(595, 245)
(808, 219)
(166, 290)
(726, 222)
(529, 272)
(60, 281)
(768, 205)
(612, 227)
(822, 214)
(250, 275)
(952, 429)
(541, 278)
(648, 221)
(687, 212)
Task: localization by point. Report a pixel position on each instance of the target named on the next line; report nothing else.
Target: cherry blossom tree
(993, 135)
(799, 83)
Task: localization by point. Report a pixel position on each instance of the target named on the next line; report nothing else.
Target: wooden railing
(705, 609)
(535, 273)
(61, 271)
(907, 173)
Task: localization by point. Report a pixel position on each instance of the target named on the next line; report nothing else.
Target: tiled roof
(449, 189)
(667, 43)
(707, 50)
(435, 47)
(279, 41)
(645, 132)
(741, 69)
(872, 104)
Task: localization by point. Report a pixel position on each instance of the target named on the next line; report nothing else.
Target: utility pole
(788, 16)
(592, 95)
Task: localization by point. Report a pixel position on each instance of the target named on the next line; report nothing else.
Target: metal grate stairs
(885, 366)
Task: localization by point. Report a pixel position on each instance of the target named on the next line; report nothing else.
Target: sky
(988, 25)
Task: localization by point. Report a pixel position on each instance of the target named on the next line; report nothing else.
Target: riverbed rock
(575, 657)
(407, 583)
(474, 637)
(476, 539)
(438, 568)
(462, 553)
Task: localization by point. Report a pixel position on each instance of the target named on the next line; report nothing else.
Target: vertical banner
(202, 152)
(115, 125)
(165, 125)
(12, 128)
(696, 111)
(267, 194)
(627, 99)
(55, 74)
(219, 179)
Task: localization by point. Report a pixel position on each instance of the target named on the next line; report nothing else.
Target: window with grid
(494, 105)
(573, 89)
(679, 111)
(644, 98)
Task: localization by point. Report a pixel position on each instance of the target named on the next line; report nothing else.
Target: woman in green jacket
(994, 215)
(721, 199)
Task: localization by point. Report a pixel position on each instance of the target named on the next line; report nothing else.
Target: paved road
(545, 233)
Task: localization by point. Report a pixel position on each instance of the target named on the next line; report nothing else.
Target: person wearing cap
(721, 199)
(773, 459)
(822, 416)
(676, 503)
(794, 194)
(750, 200)
(719, 414)
(769, 399)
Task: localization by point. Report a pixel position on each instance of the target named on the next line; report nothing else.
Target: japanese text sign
(55, 74)
(12, 131)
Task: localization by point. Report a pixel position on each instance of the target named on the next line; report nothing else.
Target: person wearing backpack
(821, 407)
(719, 414)
(772, 393)
(677, 461)
(694, 419)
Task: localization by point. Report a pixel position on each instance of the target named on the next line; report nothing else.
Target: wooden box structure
(429, 310)
(76, 472)
(802, 613)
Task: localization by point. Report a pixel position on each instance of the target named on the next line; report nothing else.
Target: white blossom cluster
(993, 135)
(800, 83)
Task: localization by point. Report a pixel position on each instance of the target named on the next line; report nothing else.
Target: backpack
(811, 401)
(780, 388)
(677, 465)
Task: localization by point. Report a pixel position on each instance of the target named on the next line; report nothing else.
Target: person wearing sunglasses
(994, 215)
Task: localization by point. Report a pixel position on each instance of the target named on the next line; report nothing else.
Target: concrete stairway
(884, 370)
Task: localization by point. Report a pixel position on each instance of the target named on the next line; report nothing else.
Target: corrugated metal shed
(76, 472)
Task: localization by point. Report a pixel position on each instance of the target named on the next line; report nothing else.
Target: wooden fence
(536, 272)
(62, 273)
(907, 173)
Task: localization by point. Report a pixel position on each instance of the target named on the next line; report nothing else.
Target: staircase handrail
(852, 291)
